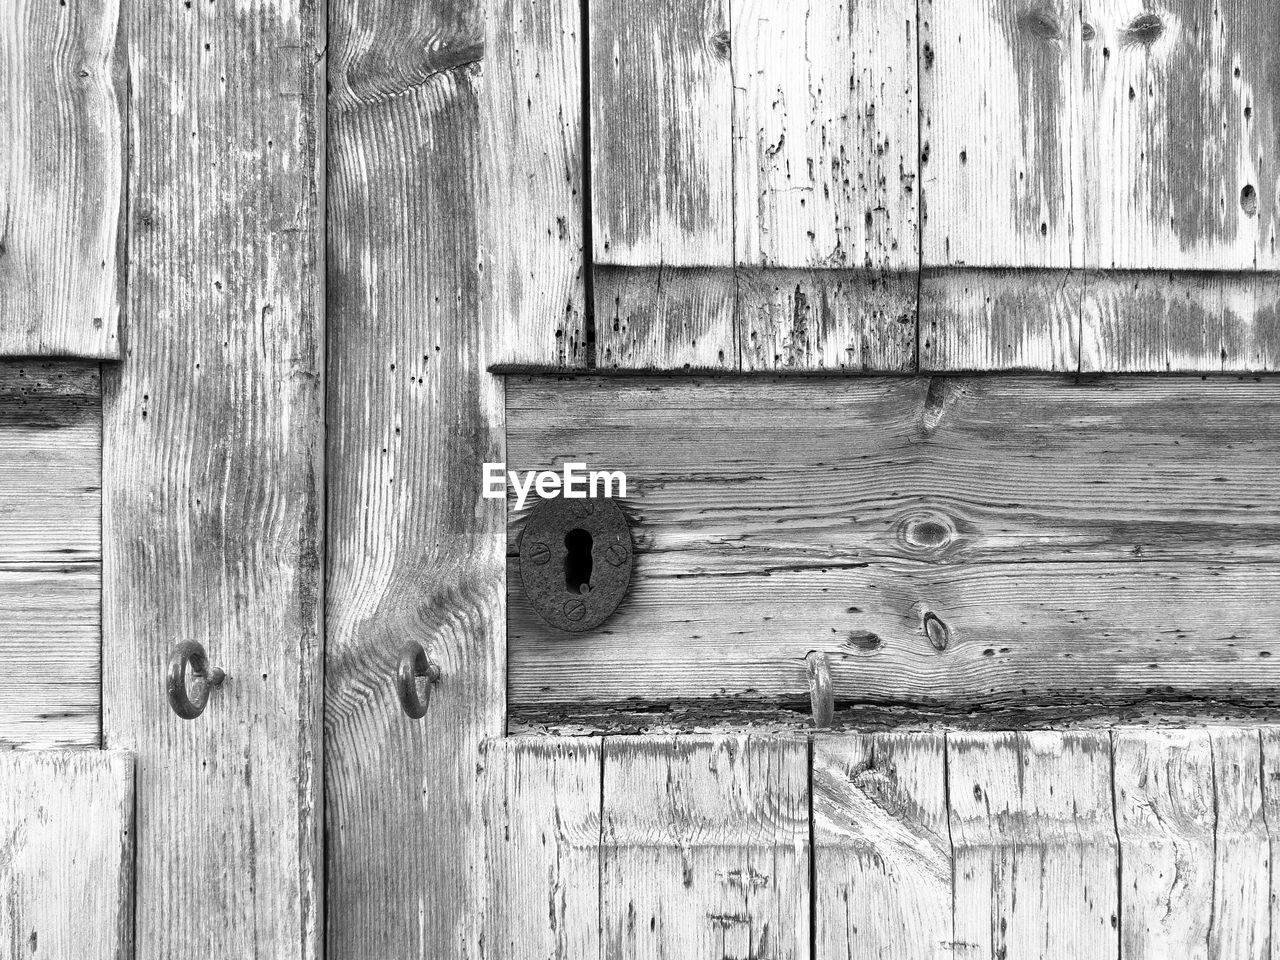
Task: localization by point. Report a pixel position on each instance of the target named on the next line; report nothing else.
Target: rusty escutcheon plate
(575, 561)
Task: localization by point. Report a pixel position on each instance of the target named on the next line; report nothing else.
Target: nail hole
(577, 561)
(1249, 199)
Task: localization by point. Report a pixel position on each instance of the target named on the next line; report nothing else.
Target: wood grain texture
(665, 318)
(1180, 124)
(212, 472)
(827, 320)
(542, 848)
(531, 110)
(50, 554)
(1036, 864)
(66, 855)
(961, 545)
(1005, 319)
(415, 553)
(61, 178)
(825, 134)
(661, 114)
(706, 848)
(881, 847)
(1000, 150)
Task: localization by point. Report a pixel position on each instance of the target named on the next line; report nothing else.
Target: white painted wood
(542, 848)
(706, 848)
(66, 855)
(881, 847)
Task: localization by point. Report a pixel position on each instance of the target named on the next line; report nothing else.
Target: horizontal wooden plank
(50, 554)
(66, 869)
(950, 544)
(61, 179)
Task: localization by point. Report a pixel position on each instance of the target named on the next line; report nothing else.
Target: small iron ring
(821, 692)
(415, 663)
(191, 654)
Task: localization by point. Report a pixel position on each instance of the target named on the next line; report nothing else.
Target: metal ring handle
(822, 696)
(191, 654)
(415, 663)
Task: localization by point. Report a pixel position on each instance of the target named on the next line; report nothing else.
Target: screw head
(616, 554)
(575, 610)
(584, 508)
(539, 552)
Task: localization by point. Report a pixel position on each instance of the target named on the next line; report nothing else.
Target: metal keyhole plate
(568, 588)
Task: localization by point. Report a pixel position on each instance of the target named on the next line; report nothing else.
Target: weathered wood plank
(661, 114)
(663, 318)
(531, 109)
(542, 853)
(706, 847)
(1000, 140)
(50, 554)
(881, 847)
(67, 836)
(1164, 793)
(1241, 924)
(982, 320)
(829, 320)
(1036, 865)
(958, 544)
(213, 434)
(1269, 757)
(1180, 126)
(61, 179)
(415, 554)
(825, 134)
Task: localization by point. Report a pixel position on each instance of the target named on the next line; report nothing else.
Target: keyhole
(577, 561)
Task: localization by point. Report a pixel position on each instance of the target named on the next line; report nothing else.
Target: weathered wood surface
(213, 433)
(1036, 865)
(705, 848)
(957, 545)
(542, 848)
(531, 112)
(415, 554)
(50, 554)
(881, 847)
(62, 163)
(66, 855)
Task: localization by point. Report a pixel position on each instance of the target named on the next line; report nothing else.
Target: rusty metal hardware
(189, 702)
(415, 664)
(575, 561)
(822, 698)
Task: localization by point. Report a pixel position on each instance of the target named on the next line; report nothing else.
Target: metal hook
(415, 663)
(822, 698)
(191, 654)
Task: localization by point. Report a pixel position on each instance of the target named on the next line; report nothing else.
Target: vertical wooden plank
(415, 554)
(212, 475)
(999, 147)
(662, 183)
(1181, 131)
(542, 848)
(1269, 758)
(61, 178)
(1164, 790)
(881, 847)
(1035, 848)
(532, 114)
(706, 847)
(662, 318)
(67, 841)
(662, 161)
(825, 134)
(1242, 857)
(985, 320)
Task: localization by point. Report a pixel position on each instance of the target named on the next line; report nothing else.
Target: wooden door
(937, 342)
